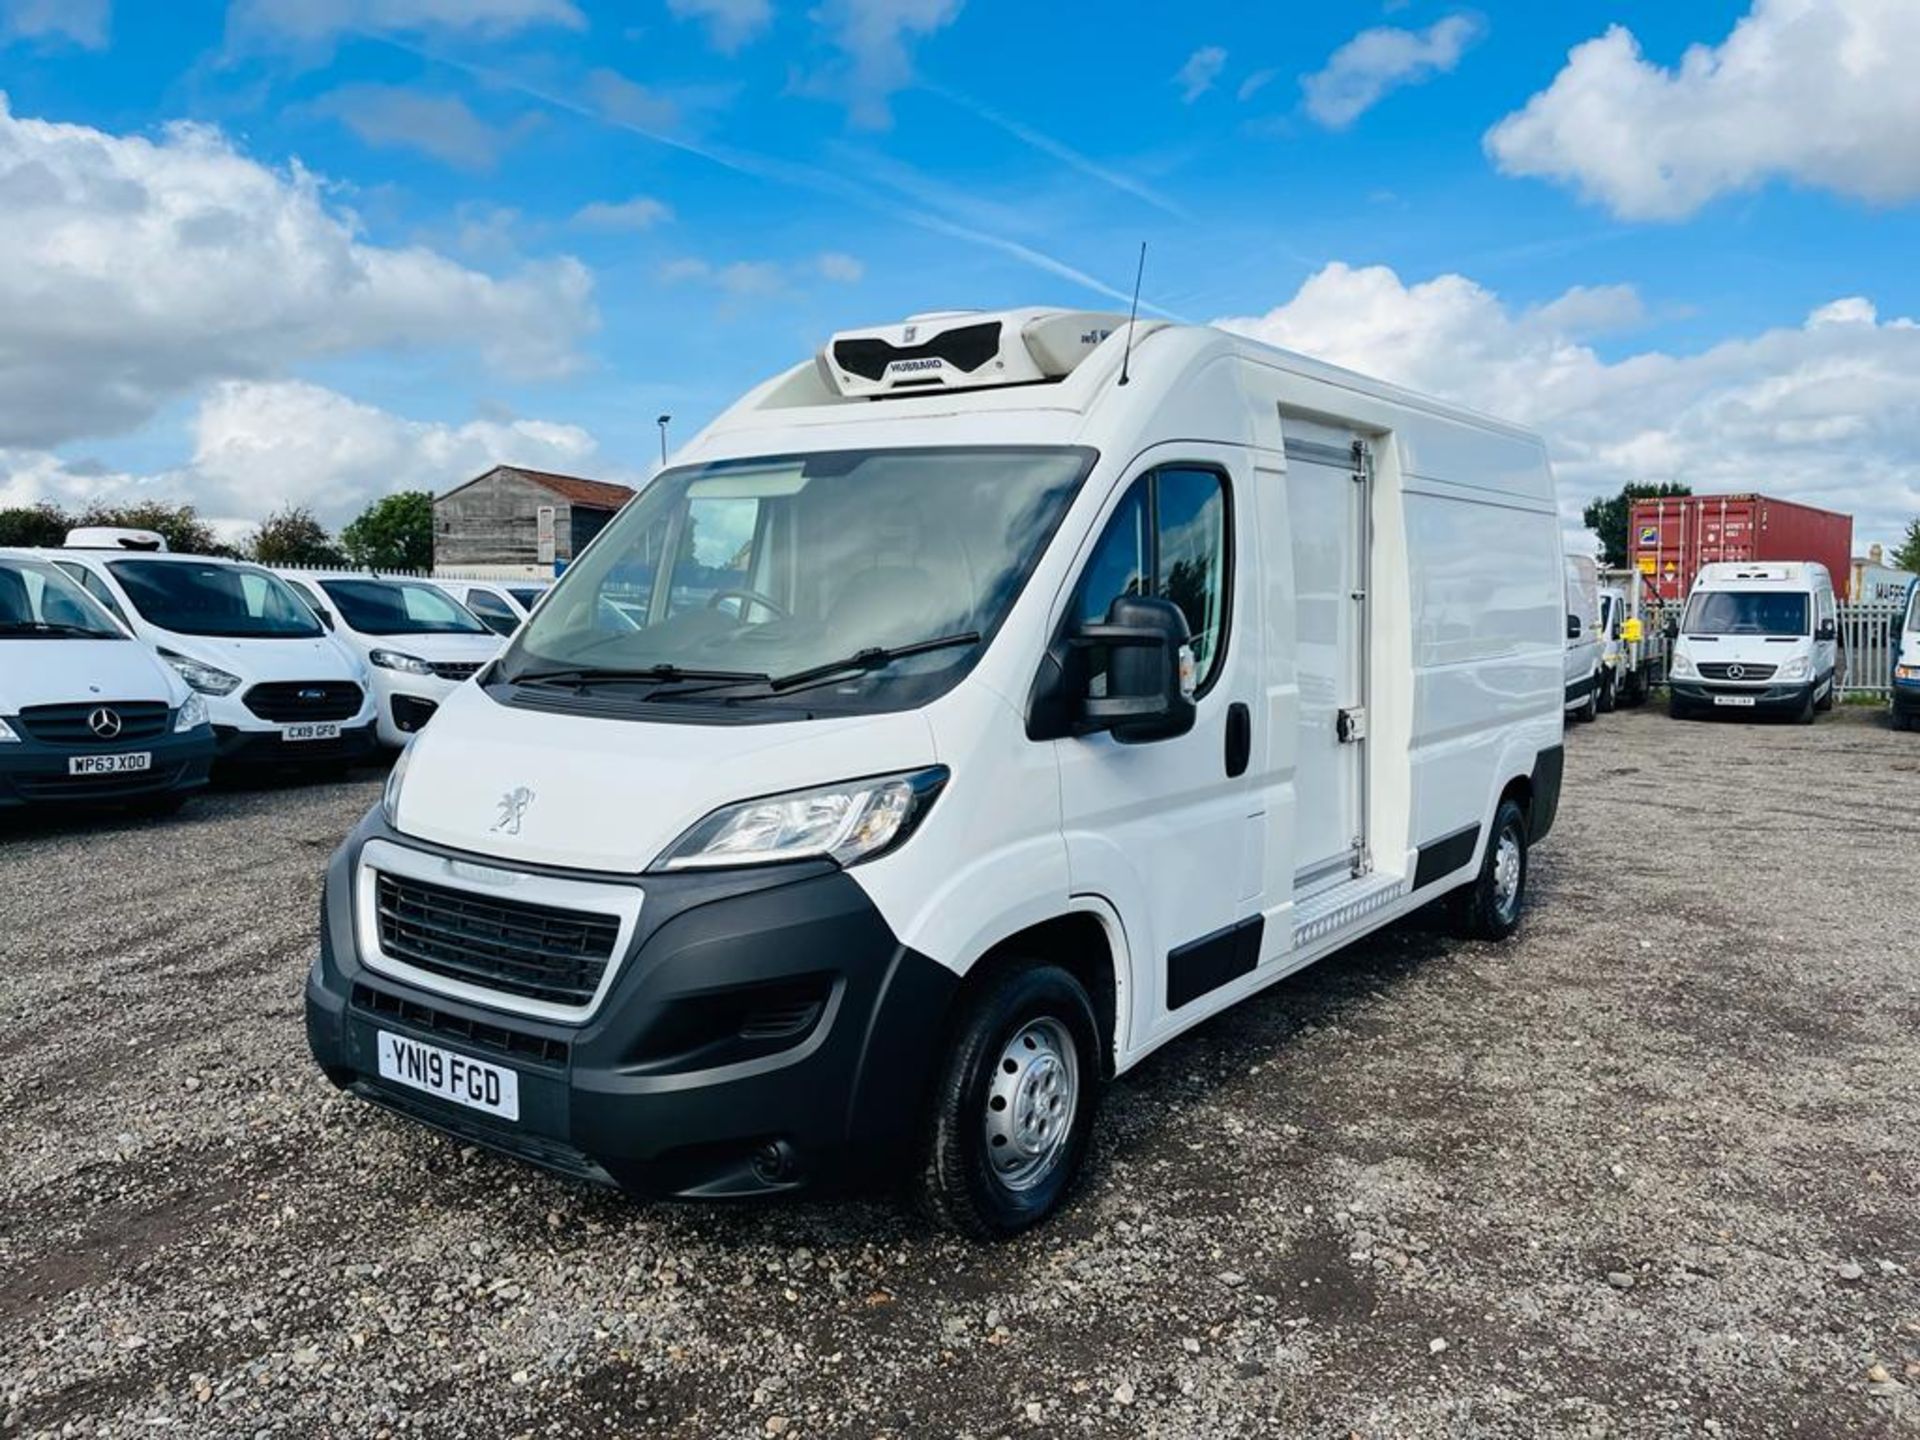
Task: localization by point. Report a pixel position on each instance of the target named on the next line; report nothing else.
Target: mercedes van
(279, 689)
(418, 642)
(1581, 667)
(1906, 664)
(963, 715)
(1756, 639)
(88, 715)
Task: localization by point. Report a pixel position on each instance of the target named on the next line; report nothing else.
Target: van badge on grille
(1736, 672)
(513, 809)
(105, 723)
(313, 696)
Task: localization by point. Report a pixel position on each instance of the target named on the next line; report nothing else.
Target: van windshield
(38, 602)
(1747, 612)
(1913, 612)
(399, 607)
(762, 570)
(190, 598)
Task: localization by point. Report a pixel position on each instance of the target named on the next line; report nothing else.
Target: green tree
(393, 533)
(1609, 517)
(1907, 557)
(291, 536)
(180, 525)
(34, 525)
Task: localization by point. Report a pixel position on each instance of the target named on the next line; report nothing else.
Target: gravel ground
(1650, 1170)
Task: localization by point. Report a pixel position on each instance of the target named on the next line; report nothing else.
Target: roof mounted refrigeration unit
(964, 350)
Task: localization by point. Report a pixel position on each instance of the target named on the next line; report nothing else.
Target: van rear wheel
(1489, 908)
(1013, 1105)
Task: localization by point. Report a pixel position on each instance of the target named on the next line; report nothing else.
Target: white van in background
(88, 715)
(278, 688)
(1757, 638)
(1906, 663)
(966, 713)
(1582, 661)
(501, 604)
(418, 642)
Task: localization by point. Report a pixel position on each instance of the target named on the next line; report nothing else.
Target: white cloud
(642, 212)
(258, 446)
(1203, 67)
(1376, 62)
(84, 22)
(1827, 411)
(731, 23)
(442, 126)
(134, 271)
(627, 102)
(319, 22)
(1254, 84)
(1822, 92)
(875, 39)
(840, 268)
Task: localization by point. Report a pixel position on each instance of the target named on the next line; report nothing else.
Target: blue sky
(624, 208)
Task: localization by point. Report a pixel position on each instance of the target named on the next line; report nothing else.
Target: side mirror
(1574, 628)
(1146, 692)
(1827, 631)
(1671, 629)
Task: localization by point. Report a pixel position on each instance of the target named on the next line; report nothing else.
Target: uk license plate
(312, 730)
(1744, 701)
(109, 764)
(459, 1078)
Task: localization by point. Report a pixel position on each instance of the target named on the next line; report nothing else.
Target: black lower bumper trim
(266, 747)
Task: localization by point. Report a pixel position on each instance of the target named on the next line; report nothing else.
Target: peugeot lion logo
(105, 723)
(513, 809)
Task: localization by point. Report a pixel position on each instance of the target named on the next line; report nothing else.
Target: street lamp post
(663, 422)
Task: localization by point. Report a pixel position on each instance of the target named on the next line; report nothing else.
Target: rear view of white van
(1757, 639)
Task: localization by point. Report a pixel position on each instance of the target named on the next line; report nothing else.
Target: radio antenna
(1133, 314)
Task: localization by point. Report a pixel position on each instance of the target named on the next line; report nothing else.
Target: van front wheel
(1013, 1105)
(1489, 908)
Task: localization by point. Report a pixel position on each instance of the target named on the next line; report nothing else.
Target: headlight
(193, 714)
(7, 735)
(390, 795)
(845, 823)
(1906, 672)
(1796, 669)
(399, 660)
(1683, 664)
(207, 679)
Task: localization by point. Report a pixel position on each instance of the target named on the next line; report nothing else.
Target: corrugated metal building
(515, 516)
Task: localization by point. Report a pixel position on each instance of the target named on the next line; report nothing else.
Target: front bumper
(247, 748)
(35, 773)
(1705, 695)
(404, 703)
(763, 1032)
(1906, 697)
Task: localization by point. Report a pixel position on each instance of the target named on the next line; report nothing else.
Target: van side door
(1169, 832)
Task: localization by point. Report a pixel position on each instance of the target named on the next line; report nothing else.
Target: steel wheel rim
(1031, 1103)
(1507, 866)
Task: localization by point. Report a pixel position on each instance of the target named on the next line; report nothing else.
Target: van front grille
(455, 670)
(98, 724)
(1725, 670)
(288, 702)
(500, 1040)
(539, 952)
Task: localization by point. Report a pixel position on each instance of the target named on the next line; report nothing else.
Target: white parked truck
(963, 715)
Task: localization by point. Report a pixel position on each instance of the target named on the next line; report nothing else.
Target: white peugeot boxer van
(278, 687)
(1757, 638)
(88, 715)
(418, 641)
(1582, 667)
(964, 714)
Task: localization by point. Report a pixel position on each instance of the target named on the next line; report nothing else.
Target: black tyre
(1013, 1104)
(1606, 700)
(1808, 712)
(1679, 709)
(1489, 908)
(1902, 720)
(1827, 700)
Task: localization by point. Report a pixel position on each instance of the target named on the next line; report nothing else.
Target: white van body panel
(1584, 650)
(254, 660)
(1458, 686)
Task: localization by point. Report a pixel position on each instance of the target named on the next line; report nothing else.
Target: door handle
(1239, 739)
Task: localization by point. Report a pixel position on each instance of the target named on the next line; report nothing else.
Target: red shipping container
(1669, 539)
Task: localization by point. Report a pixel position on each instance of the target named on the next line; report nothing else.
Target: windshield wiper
(48, 627)
(875, 658)
(583, 675)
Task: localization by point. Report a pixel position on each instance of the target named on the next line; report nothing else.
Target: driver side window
(1168, 539)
